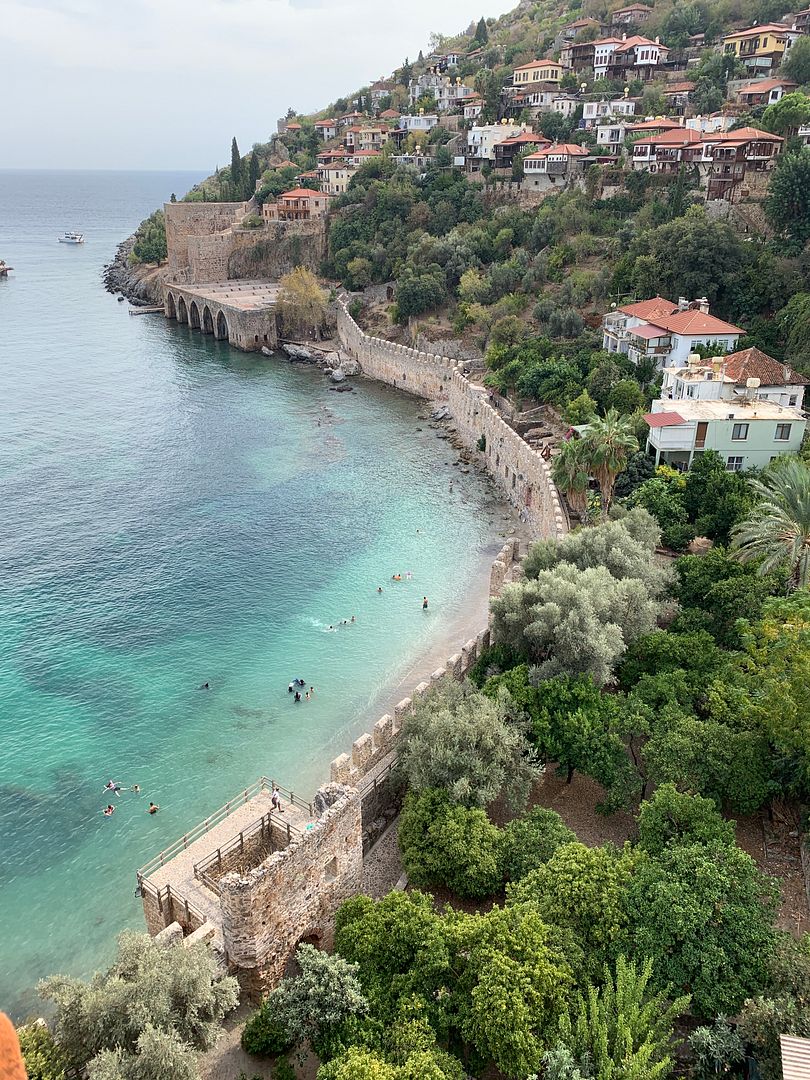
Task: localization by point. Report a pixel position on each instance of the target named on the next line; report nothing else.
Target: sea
(173, 513)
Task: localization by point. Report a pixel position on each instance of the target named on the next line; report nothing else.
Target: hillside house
(537, 72)
(473, 107)
(380, 91)
(654, 126)
(747, 434)
(633, 58)
(597, 112)
(572, 30)
(351, 119)
(735, 377)
(356, 158)
(507, 150)
(665, 332)
(760, 48)
(481, 140)
(632, 15)
(676, 95)
(327, 129)
(418, 124)
(554, 166)
(736, 160)
(300, 204)
(334, 176)
(667, 150)
(801, 21)
(390, 114)
(765, 91)
(429, 83)
(611, 135)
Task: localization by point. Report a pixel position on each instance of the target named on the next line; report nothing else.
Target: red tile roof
(745, 134)
(636, 42)
(769, 28)
(537, 63)
(648, 309)
(695, 321)
(663, 123)
(303, 193)
(631, 7)
(389, 114)
(664, 419)
(647, 331)
(764, 86)
(671, 137)
(755, 364)
(684, 87)
(325, 123)
(571, 149)
(525, 138)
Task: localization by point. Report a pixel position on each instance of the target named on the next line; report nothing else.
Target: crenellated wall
(519, 471)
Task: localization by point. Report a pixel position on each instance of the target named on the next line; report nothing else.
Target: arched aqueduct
(198, 315)
(239, 312)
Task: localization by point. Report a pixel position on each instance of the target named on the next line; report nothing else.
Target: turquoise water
(176, 512)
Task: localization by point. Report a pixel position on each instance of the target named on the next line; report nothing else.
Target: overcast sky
(164, 84)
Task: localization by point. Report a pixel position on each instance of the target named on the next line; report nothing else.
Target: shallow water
(176, 512)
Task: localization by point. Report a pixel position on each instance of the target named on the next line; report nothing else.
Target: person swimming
(379, 588)
(153, 808)
(136, 788)
(109, 810)
(396, 577)
(353, 619)
(297, 696)
(424, 603)
(290, 688)
(205, 686)
(114, 787)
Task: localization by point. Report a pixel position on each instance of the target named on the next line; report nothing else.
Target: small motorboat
(72, 238)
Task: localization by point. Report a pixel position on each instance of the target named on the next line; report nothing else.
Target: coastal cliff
(140, 283)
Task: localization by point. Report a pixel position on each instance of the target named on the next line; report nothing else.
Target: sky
(165, 84)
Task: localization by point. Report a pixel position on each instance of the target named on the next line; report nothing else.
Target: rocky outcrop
(140, 284)
(326, 358)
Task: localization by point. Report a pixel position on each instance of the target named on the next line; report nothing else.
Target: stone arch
(194, 315)
(221, 327)
(207, 321)
(292, 967)
(171, 309)
(182, 311)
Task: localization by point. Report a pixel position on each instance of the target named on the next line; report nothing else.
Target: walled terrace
(241, 312)
(255, 883)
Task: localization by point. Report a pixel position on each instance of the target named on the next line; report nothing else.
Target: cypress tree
(253, 174)
(481, 32)
(236, 167)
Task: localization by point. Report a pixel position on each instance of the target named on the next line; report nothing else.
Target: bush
(43, 1058)
(530, 841)
(672, 817)
(264, 1034)
(443, 843)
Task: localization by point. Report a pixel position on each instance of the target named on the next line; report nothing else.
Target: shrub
(530, 841)
(264, 1033)
(443, 843)
(43, 1058)
(672, 817)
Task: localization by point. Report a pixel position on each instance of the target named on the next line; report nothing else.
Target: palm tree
(569, 471)
(610, 442)
(777, 530)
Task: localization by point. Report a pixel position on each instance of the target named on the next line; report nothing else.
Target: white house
(327, 129)
(611, 134)
(747, 434)
(733, 378)
(419, 123)
(666, 332)
(481, 140)
(596, 112)
(563, 162)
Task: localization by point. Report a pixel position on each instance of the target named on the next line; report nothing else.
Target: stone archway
(182, 311)
(292, 966)
(171, 309)
(207, 321)
(194, 315)
(221, 328)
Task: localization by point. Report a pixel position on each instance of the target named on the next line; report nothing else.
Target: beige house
(334, 176)
(538, 71)
(300, 204)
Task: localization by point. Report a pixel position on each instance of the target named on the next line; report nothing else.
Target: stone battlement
(518, 470)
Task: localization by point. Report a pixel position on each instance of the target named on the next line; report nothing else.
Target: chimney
(683, 303)
(703, 304)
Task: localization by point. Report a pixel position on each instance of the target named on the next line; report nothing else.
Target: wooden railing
(262, 784)
(167, 899)
(277, 835)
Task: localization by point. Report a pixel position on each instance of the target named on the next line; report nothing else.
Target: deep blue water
(176, 512)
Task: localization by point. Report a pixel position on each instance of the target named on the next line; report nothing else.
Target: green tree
(443, 843)
(472, 746)
(312, 1004)
(43, 1058)
(787, 114)
(610, 441)
(481, 32)
(237, 179)
(580, 411)
(581, 889)
(704, 913)
(301, 302)
(797, 64)
(570, 472)
(157, 1054)
(623, 1029)
(787, 203)
(777, 531)
(715, 499)
(514, 980)
(150, 240)
(782, 1009)
(254, 172)
(530, 841)
(153, 1000)
(672, 817)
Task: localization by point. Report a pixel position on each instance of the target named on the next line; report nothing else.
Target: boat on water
(72, 238)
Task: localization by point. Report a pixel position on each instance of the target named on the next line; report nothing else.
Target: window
(793, 399)
(734, 464)
(739, 432)
(783, 432)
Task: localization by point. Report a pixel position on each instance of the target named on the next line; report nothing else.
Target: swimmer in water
(114, 787)
(353, 619)
(297, 697)
(379, 588)
(110, 810)
(136, 788)
(311, 691)
(205, 686)
(153, 808)
(424, 603)
(290, 688)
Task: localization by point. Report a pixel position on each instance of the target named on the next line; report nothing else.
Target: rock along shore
(140, 284)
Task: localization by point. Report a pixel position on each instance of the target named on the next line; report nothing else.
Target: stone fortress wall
(519, 472)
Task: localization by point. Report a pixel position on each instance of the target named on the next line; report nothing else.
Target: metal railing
(371, 783)
(181, 844)
(268, 828)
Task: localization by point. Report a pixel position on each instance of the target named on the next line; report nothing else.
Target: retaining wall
(519, 472)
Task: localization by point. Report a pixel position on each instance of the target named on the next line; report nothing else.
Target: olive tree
(472, 746)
